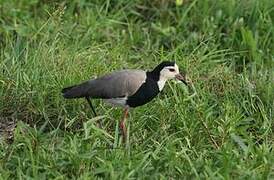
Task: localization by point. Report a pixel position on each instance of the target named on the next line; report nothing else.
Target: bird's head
(169, 70)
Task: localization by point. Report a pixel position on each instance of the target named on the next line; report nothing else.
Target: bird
(128, 88)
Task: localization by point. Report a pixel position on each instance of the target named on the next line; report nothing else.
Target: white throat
(161, 83)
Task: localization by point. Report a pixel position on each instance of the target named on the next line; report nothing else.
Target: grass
(221, 129)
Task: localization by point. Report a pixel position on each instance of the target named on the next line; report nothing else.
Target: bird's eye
(171, 70)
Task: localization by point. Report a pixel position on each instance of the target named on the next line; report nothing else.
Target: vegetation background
(221, 128)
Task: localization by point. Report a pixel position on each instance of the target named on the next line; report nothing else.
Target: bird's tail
(76, 91)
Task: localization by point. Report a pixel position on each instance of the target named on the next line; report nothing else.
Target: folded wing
(114, 85)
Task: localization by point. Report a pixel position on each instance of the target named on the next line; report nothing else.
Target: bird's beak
(181, 78)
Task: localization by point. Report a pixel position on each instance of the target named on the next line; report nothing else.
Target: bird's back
(114, 85)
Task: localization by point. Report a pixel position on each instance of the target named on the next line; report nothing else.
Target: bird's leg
(90, 104)
(123, 125)
(93, 110)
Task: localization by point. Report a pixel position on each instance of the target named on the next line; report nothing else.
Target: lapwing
(128, 88)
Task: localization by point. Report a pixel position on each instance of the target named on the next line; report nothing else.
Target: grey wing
(117, 84)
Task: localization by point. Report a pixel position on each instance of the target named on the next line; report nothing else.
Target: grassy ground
(223, 129)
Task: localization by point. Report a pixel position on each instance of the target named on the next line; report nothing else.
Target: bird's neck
(153, 75)
(161, 81)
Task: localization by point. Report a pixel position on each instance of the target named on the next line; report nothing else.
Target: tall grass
(220, 128)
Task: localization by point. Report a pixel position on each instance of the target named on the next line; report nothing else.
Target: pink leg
(123, 125)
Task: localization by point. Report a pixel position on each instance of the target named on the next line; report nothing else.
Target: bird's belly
(117, 101)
